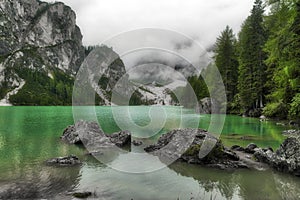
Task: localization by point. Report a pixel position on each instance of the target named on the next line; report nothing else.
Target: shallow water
(30, 135)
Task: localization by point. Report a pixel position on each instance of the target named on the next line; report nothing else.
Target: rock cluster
(193, 146)
(203, 149)
(285, 159)
(90, 134)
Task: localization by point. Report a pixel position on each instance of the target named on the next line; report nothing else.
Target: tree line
(260, 66)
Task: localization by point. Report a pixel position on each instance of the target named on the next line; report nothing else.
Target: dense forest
(260, 66)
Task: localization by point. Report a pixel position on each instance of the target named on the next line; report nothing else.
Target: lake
(30, 135)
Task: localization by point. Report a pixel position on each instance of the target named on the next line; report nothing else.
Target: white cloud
(101, 19)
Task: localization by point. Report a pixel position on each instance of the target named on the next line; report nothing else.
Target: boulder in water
(172, 143)
(285, 159)
(89, 133)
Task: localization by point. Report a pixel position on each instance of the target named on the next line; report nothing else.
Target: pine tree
(252, 70)
(226, 61)
(283, 48)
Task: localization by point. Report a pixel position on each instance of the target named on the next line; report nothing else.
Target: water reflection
(241, 184)
(40, 182)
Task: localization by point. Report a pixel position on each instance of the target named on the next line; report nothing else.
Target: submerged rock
(64, 161)
(171, 144)
(82, 195)
(90, 134)
(137, 143)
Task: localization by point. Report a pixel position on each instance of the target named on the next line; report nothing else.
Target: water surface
(30, 135)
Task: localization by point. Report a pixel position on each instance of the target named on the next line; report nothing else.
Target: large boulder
(285, 159)
(90, 134)
(200, 148)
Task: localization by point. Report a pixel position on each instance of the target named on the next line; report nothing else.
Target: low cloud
(100, 20)
(200, 20)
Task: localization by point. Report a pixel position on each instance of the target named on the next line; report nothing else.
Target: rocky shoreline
(203, 149)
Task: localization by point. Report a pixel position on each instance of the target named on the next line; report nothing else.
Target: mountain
(40, 52)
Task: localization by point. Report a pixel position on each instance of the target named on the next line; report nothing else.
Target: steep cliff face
(41, 52)
(38, 40)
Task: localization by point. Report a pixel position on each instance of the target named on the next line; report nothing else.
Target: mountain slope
(40, 50)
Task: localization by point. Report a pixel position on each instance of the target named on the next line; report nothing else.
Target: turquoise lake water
(30, 135)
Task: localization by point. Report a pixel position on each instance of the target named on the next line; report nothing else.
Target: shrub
(276, 110)
(294, 111)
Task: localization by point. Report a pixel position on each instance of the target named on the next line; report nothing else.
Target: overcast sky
(101, 19)
(200, 20)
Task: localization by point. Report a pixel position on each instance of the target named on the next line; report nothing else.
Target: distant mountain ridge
(41, 52)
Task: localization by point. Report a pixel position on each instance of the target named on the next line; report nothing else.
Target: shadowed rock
(250, 148)
(171, 145)
(285, 159)
(237, 148)
(120, 138)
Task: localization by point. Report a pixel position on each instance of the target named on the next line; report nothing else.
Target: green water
(30, 135)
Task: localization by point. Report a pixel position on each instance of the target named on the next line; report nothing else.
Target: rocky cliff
(40, 51)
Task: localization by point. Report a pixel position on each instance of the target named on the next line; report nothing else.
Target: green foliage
(283, 55)
(39, 89)
(136, 99)
(4, 89)
(275, 110)
(215, 86)
(193, 150)
(199, 86)
(196, 88)
(234, 107)
(174, 98)
(294, 111)
(227, 62)
(252, 70)
(103, 82)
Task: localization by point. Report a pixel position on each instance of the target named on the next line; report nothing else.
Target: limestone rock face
(37, 37)
(49, 30)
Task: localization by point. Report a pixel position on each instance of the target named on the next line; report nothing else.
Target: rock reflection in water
(240, 184)
(45, 182)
